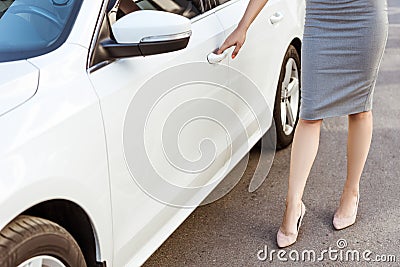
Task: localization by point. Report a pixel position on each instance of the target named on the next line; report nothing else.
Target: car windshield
(33, 27)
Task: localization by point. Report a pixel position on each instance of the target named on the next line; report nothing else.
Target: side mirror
(148, 32)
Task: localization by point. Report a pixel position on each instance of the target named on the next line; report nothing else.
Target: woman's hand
(236, 38)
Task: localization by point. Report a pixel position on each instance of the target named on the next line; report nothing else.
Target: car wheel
(32, 241)
(287, 101)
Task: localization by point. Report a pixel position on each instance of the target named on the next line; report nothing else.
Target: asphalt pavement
(239, 228)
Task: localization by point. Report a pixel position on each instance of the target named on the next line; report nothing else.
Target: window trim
(95, 37)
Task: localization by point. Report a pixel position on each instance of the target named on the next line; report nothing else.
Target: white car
(98, 100)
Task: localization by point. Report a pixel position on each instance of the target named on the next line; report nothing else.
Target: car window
(220, 2)
(33, 27)
(4, 5)
(187, 8)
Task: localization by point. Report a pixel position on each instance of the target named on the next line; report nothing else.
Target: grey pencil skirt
(343, 45)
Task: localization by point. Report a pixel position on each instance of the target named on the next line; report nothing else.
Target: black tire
(283, 139)
(27, 237)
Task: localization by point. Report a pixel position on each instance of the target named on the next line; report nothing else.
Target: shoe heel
(285, 240)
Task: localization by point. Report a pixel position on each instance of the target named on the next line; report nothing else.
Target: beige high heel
(287, 239)
(341, 223)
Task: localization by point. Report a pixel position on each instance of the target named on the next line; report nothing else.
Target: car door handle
(213, 58)
(276, 17)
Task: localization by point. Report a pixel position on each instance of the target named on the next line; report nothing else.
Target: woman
(342, 49)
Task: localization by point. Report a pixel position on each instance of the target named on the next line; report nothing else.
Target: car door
(261, 56)
(170, 91)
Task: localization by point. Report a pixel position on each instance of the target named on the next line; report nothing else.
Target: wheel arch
(296, 42)
(76, 221)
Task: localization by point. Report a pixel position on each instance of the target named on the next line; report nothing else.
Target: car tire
(29, 240)
(288, 95)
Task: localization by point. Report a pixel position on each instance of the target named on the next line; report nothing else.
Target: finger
(236, 51)
(223, 47)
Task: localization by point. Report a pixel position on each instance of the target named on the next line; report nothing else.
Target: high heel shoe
(287, 239)
(341, 223)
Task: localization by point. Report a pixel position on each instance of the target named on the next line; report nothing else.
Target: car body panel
(262, 35)
(18, 83)
(133, 232)
(85, 23)
(54, 146)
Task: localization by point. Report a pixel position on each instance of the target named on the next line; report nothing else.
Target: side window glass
(220, 2)
(4, 5)
(187, 8)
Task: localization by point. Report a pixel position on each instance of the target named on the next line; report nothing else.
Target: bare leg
(358, 143)
(304, 149)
